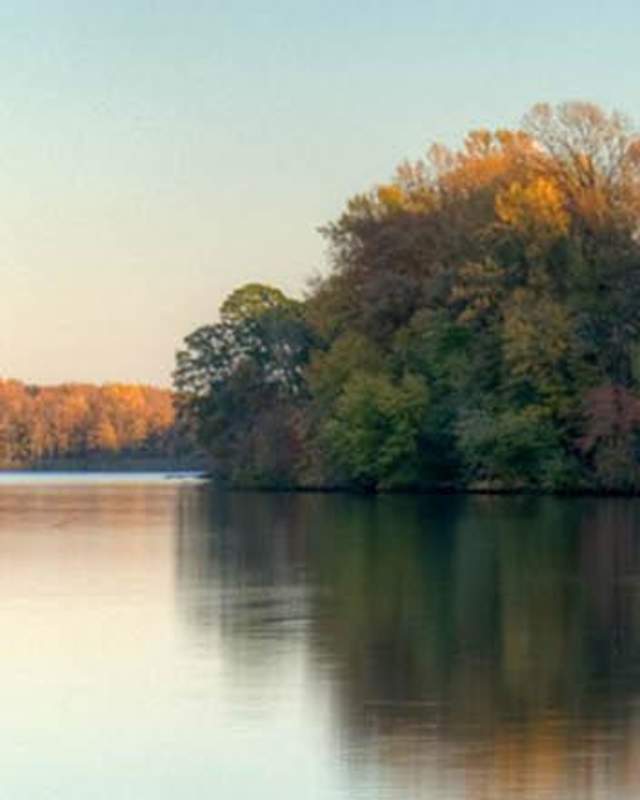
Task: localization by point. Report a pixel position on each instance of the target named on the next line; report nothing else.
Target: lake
(162, 640)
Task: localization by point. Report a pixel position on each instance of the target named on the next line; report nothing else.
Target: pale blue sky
(155, 154)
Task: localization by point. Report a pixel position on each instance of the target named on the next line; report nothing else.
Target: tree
(254, 300)
(41, 424)
(477, 308)
(373, 432)
(234, 374)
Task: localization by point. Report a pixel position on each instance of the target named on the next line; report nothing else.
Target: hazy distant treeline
(50, 424)
(480, 327)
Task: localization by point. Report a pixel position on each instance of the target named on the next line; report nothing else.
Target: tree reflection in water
(492, 639)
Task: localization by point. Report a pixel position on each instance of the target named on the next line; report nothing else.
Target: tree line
(78, 422)
(479, 327)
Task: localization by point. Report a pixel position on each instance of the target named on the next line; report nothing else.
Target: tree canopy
(479, 327)
(54, 424)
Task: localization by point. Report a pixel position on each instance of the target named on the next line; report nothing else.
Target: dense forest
(479, 328)
(80, 424)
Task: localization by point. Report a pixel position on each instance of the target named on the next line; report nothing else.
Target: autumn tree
(50, 424)
(480, 325)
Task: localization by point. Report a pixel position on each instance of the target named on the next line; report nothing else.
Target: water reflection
(165, 641)
(475, 647)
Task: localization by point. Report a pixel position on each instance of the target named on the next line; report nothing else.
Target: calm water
(163, 641)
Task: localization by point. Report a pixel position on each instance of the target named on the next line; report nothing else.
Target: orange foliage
(570, 166)
(488, 159)
(537, 208)
(71, 420)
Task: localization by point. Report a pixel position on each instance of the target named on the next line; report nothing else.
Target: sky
(154, 155)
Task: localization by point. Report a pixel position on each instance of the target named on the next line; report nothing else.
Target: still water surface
(164, 641)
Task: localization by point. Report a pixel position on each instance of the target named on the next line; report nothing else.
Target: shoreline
(444, 490)
(434, 491)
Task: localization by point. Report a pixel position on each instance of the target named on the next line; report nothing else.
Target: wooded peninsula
(479, 329)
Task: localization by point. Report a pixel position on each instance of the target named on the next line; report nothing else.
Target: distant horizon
(57, 384)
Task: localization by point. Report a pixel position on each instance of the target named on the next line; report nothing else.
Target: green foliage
(254, 300)
(374, 430)
(330, 370)
(239, 381)
(437, 347)
(480, 325)
(514, 449)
